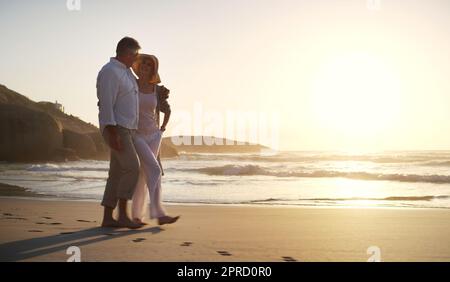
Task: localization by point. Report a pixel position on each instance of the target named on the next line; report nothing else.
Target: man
(117, 93)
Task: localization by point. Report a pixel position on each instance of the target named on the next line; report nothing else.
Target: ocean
(402, 179)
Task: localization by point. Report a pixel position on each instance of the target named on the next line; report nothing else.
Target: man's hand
(164, 92)
(114, 138)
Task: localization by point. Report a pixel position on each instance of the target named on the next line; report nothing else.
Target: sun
(356, 95)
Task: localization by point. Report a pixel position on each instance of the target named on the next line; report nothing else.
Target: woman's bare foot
(167, 220)
(139, 221)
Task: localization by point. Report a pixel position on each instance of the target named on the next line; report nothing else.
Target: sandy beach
(42, 230)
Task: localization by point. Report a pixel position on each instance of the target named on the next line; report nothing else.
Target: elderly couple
(129, 122)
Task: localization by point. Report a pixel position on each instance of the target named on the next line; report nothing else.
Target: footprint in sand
(137, 240)
(288, 259)
(18, 218)
(66, 233)
(9, 216)
(224, 253)
(34, 230)
(186, 244)
(52, 223)
(46, 217)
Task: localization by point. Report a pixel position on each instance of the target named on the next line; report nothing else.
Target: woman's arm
(165, 121)
(164, 106)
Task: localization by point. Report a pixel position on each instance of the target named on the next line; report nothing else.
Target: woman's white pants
(147, 147)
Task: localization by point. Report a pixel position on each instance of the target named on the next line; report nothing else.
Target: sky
(352, 75)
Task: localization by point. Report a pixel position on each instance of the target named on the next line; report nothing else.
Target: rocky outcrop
(220, 145)
(38, 131)
(82, 144)
(102, 150)
(28, 134)
(167, 149)
(33, 131)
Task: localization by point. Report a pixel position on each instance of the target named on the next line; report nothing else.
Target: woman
(147, 140)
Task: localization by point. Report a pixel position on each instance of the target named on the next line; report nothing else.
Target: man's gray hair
(127, 44)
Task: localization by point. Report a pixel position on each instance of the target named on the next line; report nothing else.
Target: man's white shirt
(118, 96)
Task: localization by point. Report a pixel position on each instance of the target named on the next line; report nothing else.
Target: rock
(167, 151)
(39, 131)
(81, 143)
(65, 154)
(223, 147)
(102, 147)
(28, 134)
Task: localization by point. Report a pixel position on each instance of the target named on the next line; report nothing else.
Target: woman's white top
(147, 113)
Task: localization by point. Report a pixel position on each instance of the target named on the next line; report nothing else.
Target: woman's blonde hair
(154, 79)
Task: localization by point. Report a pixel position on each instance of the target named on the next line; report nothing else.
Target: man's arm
(107, 91)
(113, 137)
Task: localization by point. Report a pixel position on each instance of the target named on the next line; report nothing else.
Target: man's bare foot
(128, 223)
(110, 223)
(167, 220)
(139, 221)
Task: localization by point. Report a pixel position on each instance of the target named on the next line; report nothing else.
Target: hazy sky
(337, 74)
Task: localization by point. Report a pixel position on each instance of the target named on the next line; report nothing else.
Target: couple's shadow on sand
(34, 247)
